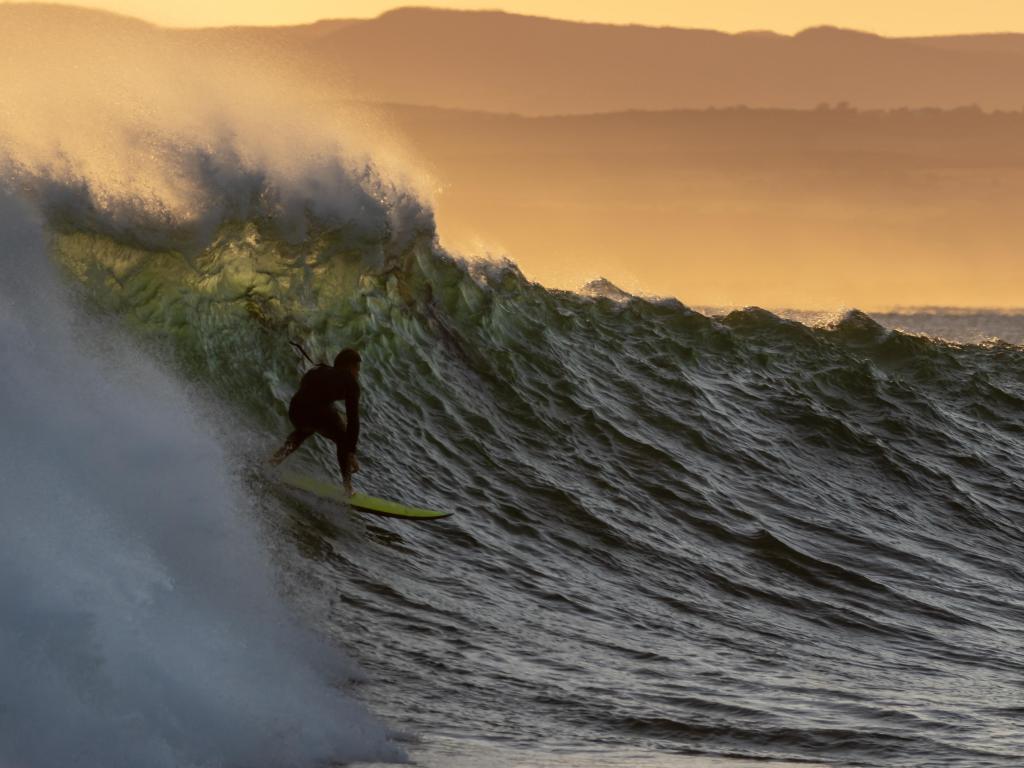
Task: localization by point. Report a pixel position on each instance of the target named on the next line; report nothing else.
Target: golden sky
(887, 17)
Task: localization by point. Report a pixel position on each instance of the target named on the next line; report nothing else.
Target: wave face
(735, 536)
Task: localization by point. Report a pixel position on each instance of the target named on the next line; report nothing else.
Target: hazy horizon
(777, 208)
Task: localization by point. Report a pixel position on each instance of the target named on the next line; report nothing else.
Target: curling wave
(732, 535)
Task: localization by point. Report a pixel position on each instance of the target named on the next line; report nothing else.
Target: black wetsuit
(312, 409)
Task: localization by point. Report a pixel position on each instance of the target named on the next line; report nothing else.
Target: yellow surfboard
(359, 501)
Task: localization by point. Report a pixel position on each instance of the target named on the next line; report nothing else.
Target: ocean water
(680, 538)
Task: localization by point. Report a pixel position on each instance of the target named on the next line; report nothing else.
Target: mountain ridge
(496, 61)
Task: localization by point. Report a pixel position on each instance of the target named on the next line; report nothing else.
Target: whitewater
(679, 538)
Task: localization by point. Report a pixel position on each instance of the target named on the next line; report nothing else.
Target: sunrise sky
(903, 17)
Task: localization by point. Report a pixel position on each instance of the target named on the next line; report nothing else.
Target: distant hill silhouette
(500, 62)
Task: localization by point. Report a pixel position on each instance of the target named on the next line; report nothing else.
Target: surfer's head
(348, 360)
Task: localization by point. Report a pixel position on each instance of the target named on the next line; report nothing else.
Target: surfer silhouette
(312, 411)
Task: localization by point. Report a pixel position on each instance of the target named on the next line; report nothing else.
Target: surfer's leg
(305, 423)
(295, 439)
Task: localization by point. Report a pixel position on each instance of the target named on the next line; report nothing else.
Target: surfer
(312, 411)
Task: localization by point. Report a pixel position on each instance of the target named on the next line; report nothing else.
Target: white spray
(140, 624)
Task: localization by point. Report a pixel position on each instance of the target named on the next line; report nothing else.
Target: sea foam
(140, 623)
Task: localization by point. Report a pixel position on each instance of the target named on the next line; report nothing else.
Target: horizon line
(824, 25)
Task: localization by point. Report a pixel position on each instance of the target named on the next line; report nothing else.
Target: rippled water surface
(736, 537)
(700, 540)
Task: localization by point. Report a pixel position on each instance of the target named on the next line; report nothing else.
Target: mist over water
(142, 623)
(737, 537)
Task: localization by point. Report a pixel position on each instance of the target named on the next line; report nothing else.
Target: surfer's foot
(282, 453)
(348, 487)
